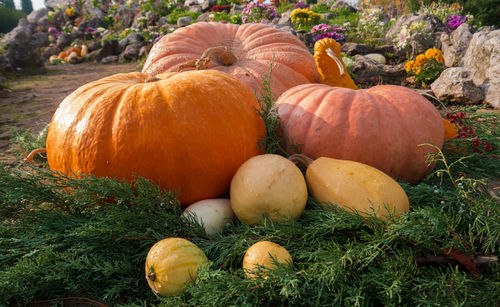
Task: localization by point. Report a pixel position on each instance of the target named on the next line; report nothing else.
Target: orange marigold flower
(409, 66)
(435, 54)
(421, 59)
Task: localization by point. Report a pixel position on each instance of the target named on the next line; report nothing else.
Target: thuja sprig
(269, 114)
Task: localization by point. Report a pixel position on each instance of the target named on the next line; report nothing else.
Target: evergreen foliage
(26, 6)
(9, 17)
(9, 4)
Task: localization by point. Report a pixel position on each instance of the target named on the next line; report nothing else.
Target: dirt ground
(30, 102)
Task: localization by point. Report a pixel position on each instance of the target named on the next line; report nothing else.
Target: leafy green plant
(181, 12)
(320, 8)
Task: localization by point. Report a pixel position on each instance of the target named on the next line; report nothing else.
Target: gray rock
(340, 4)
(162, 21)
(184, 21)
(203, 17)
(18, 33)
(455, 85)
(377, 57)
(53, 4)
(23, 22)
(35, 16)
(135, 38)
(207, 5)
(50, 51)
(144, 51)
(455, 45)
(43, 22)
(109, 59)
(131, 52)
(236, 9)
(195, 9)
(22, 51)
(354, 48)
(190, 3)
(369, 71)
(109, 47)
(125, 15)
(307, 38)
(95, 46)
(64, 40)
(434, 24)
(122, 44)
(93, 23)
(285, 20)
(40, 39)
(328, 15)
(482, 58)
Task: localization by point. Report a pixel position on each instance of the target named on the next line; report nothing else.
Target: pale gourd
(354, 186)
(268, 186)
(171, 263)
(213, 214)
(262, 254)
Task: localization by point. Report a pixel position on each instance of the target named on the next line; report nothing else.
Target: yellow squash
(354, 186)
(262, 253)
(171, 263)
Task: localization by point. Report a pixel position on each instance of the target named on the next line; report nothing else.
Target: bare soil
(30, 101)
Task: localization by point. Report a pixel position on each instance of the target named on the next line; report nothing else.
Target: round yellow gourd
(354, 186)
(171, 263)
(268, 185)
(262, 253)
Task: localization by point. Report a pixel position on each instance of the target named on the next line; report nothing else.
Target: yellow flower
(434, 53)
(417, 71)
(409, 66)
(421, 59)
(70, 12)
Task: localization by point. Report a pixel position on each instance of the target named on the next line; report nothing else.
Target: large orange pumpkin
(382, 126)
(188, 131)
(245, 51)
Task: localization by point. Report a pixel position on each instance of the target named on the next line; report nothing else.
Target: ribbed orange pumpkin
(244, 51)
(382, 126)
(189, 131)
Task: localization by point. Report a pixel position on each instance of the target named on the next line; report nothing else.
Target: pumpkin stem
(151, 277)
(222, 55)
(302, 161)
(151, 78)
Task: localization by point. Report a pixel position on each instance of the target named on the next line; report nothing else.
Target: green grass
(91, 240)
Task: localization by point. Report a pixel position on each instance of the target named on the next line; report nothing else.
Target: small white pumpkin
(213, 214)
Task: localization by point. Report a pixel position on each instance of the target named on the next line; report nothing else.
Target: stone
(162, 21)
(307, 38)
(207, 5)
(455, 45)
(285, 20)
(236, 9)
(109, 47)
(369, 71)
(131, 52)
(18, 33)
(455, 85)
(50, 51)
(377, 57)
(434, 24)
(144, 51)
(135, 37)
(190, 2)
(64, 40)
(195, 9)
(95, 46)
(125, 15)
(482, 58)
(22, 52)
(343, 4)
(203, 17)
(53, 4)
(109, 59)
(40, 39)
(184, 21)
(35, 16)
(94, 23)
(354, 48)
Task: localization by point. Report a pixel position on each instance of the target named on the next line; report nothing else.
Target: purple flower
(452, 22)
(299, 5)
(339, 38)
(52, 29)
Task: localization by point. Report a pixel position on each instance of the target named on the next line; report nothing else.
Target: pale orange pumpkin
(187, 131)
(245, 51)
(385, 126)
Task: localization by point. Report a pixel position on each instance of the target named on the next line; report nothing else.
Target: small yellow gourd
(171, 263)
(268, 186)
(262, 253)
(330, 66)
(353, 186)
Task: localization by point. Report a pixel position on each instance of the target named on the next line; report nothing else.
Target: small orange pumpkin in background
(62, 54)
(74, 49)
(245, 51)
(382, 126)
(187, 131)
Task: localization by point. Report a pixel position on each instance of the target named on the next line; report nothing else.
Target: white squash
(213, 214)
